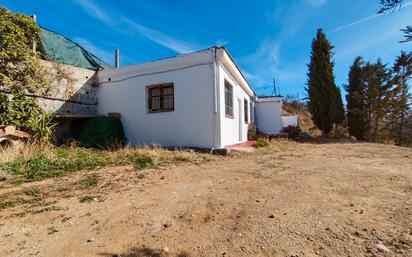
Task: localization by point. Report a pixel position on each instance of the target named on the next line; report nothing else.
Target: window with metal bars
(161, 98)
(228, 99)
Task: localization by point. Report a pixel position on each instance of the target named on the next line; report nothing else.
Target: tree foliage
(356, 107)
(19, 64)
(401, 99)
(21, 73)
(379, 101)
(393, 5)
(325, 102)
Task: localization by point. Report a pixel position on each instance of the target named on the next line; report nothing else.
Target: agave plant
(43, 128)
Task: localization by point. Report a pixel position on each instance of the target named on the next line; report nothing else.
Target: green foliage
(252, 131)
(42, 128)
(19, 110)
(393, 5)
(378, 85)
(356, 107)
(379, 101)
(19, 65)
(400, 103)
(325, 102)
(292, 131)
(25, 114)
(262, 142)
(61, 161)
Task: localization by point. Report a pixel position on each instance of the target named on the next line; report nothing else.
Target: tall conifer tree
(356, 108)
(401, 98)
(325, 103)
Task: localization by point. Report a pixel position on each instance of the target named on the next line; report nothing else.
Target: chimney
(34, 17)
(117, 58)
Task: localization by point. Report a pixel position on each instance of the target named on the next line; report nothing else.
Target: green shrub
(252, 132)
(262, 142)
(292, 131)
(142, 161)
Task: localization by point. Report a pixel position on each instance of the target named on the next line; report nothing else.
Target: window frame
(161, 88)
(230, 101)
(246, 111)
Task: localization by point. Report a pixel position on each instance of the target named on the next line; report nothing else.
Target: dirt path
(292, 200)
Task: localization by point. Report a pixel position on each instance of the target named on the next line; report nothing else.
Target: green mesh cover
(100, 131)
(55, 47)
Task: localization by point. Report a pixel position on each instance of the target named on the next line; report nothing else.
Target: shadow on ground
(145, 252)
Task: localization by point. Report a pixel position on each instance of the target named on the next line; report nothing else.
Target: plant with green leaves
(393, 5)
(20, 67)
(356, 106)
(42, 128)
(325, 102)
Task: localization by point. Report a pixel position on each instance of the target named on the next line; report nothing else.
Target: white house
(200, 99)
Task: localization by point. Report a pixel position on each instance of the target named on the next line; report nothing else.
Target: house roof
(56, 47)
(205, 56)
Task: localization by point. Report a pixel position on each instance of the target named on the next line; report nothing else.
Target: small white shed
(269, 114)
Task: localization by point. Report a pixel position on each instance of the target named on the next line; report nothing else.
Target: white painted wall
(269, 115)
(291, 120)
(199, 117)
(230, 126)
(190, 124)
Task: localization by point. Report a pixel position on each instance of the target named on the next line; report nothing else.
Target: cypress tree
(325, 103)
(356, 108)
(401, 98)
(378, 81)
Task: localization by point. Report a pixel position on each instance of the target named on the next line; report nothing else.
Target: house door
(240, 120)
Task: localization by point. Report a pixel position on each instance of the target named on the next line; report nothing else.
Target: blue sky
(267, 38)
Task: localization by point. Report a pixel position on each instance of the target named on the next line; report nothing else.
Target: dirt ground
(294, 199)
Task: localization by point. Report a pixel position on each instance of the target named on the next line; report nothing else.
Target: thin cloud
(368, 18)
(153, 35)
(317, 3)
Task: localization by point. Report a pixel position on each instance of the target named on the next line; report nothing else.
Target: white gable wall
(269, 115)
(192, 121)
(231, 128)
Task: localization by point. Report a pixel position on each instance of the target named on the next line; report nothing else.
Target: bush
(262, 142)
(293, 132)
(252, 131)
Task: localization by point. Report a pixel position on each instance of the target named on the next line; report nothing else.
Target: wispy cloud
(265, 64)
(121, 22)
(362, 20)
(317, 3)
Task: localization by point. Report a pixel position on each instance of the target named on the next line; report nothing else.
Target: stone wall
(74, 90)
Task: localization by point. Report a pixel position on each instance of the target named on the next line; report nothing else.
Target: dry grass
(32, 162)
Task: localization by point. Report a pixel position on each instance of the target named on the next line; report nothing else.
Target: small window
(161, 98)
(246, 111)
(228, 99)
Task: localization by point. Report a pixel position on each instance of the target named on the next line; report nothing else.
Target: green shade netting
(100, 131)
(55, 47)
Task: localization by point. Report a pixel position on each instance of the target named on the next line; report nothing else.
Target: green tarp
(55, 47)
(100, 131)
